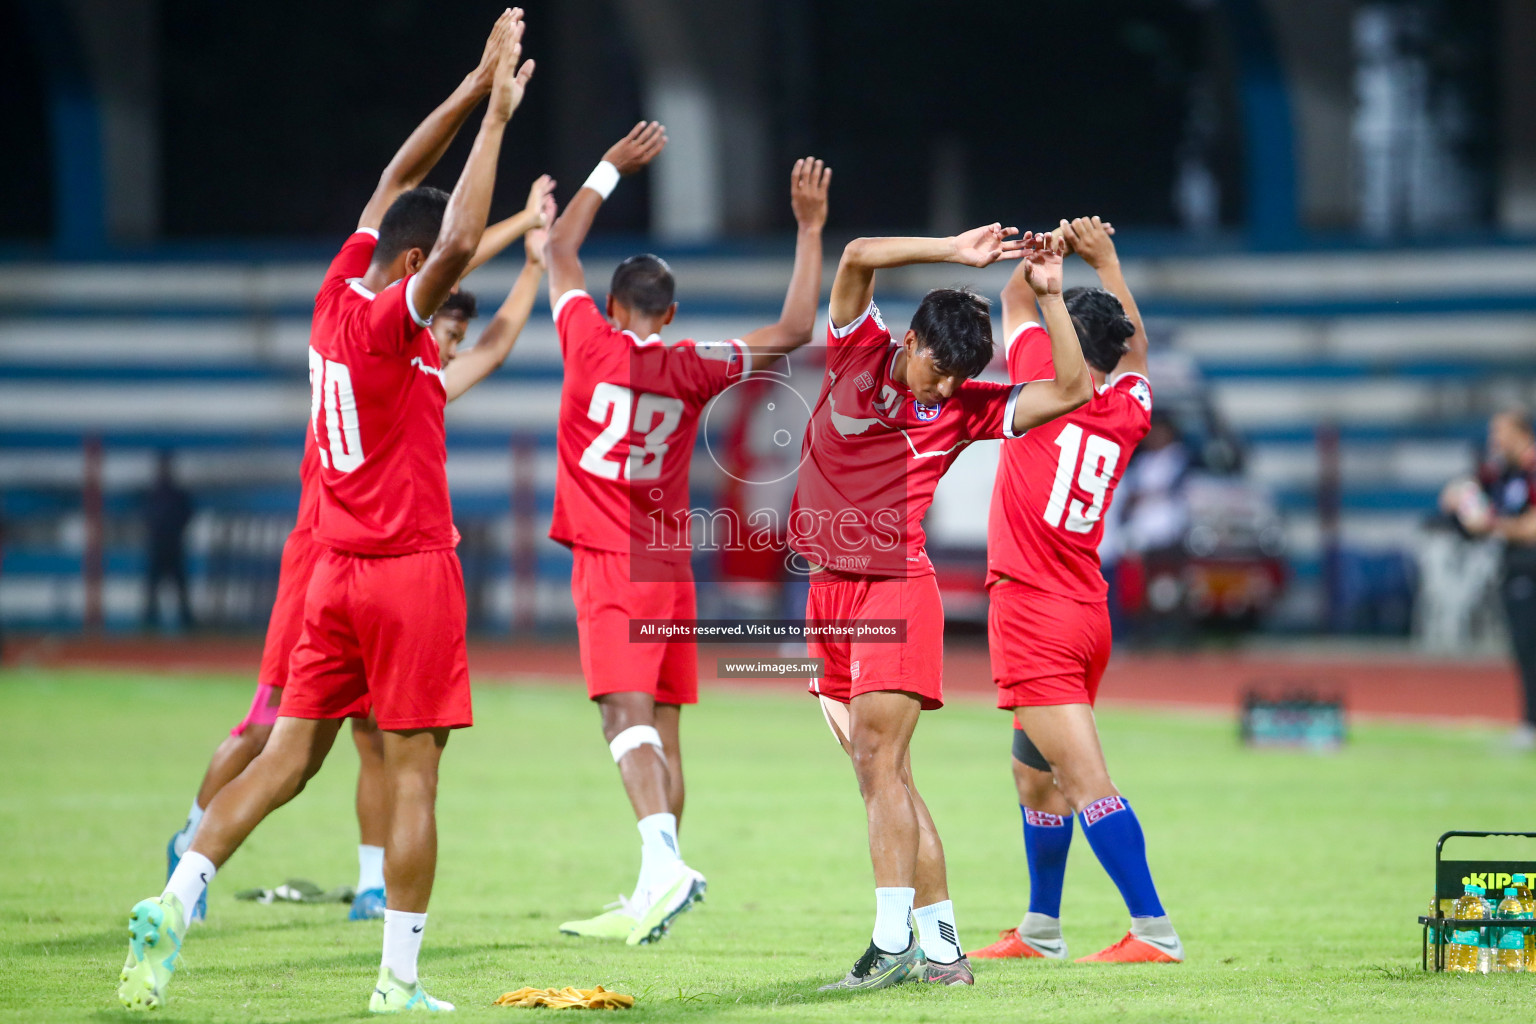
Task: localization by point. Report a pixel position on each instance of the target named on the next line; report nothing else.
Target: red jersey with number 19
(1055, 484)
(629, 413)
(376, 415)
(873, 456)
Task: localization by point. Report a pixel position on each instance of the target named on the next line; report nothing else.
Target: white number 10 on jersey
(1100, 457)
(330, 394)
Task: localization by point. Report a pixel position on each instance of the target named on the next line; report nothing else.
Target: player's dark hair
(956, 326)
(644, 284)
(460, 303)
(411, 222)
(1103, 329)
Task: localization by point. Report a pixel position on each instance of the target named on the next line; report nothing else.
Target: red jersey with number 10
(1055, 484)
(376, 415)
(873, 455)
(629, 413)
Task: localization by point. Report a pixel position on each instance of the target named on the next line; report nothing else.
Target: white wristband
(602, 179)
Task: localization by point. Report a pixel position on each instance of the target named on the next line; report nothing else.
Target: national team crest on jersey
(926, 413)
(728, 352)
(1142, 394)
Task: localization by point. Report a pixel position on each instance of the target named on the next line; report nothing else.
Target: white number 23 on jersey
(1100, 458)
(621, 410)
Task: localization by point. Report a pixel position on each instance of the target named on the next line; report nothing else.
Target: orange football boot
(1009, 946)
(1131, 950)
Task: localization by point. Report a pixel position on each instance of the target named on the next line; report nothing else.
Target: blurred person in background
(167, 511)
(1501, 504)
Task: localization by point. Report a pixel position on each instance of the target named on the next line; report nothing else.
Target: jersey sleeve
(353, 259)
(578, 321)
(1137, 391)
(706, 368)
(393, 321)
(1028, 353)
(843, 342)
(986, 410)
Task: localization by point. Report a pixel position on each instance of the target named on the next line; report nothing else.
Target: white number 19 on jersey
(330, 394)
(1100, 457)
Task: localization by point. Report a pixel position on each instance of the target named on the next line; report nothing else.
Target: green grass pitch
(1293, 879)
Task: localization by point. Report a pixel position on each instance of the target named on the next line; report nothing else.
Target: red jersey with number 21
(873, 456)
(629, 413)
(376, 415)
(1055, 484)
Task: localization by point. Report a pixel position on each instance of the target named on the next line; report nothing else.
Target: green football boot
(879, 969)
(154, 948)
(391, 995)
(615, 922)
(684, 893)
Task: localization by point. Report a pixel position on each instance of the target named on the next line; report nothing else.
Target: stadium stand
(1403, 354)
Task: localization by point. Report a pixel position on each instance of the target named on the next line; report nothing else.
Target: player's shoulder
(1132, 386)
(576, 306)
(868, 325)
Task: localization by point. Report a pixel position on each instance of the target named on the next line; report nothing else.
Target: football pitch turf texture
(1294, 879)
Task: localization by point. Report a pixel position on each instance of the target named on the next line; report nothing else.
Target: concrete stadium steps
(1405, 353)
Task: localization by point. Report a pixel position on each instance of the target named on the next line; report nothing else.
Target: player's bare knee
(253, 739)
(1083, 788)
(1036, 788)
(623, 711)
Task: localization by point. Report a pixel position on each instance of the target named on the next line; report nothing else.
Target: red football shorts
(300, 553)
(385, 633)
(1046, 649)
(852, 667)
(607, 597)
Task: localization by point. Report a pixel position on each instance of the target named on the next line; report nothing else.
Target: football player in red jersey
(629, 411)
(1048, 623)
(300, 550)
(891, 418)
(384, 615)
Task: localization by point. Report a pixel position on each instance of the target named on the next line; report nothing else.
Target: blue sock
(1047, 837)
(1115, 835)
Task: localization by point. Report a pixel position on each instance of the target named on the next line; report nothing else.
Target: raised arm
(504, 232)
(496, 341)
(464, 219)
(644, 141)
(1091, 238)
(808, 184)
(1044, 400)
(426, 145)
(854, 287)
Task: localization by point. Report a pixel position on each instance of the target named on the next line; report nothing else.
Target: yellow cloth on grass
(568, 998)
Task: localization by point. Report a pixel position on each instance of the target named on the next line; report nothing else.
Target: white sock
(658, 855)
(893, 912)
(1153, 928)
(370, 867)
(1042, 933)
(937, 932)
(183, 841)
(189, 881)
(402, 943)
(1040, 926)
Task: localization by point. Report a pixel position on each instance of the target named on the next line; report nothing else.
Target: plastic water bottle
(1528, 904)
(1510, 942)
(1466, 949)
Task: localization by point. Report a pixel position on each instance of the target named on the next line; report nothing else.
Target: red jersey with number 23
(873, 455)
(1055, 484)
(376, 415)
(629, 413)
